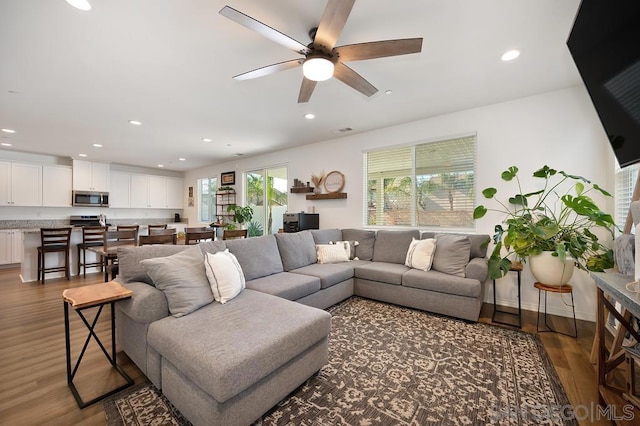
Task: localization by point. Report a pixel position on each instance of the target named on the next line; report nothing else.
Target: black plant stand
(515, 267)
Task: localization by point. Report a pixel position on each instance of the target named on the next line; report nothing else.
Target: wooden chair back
(198, 234)
(132, 228)
(151, 229)
(120, 238)
(160, 236)
(92, 236)
(55, 239)
(230, 234)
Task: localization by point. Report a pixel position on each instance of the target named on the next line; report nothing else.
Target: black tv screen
(605, 45)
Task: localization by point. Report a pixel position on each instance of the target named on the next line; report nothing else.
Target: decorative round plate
(334, 181)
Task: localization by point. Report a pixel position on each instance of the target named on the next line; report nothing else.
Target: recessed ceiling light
(80, 4)
(182, 159)
(5, 144)
(309, 116)
(160, 165)
(8, 130)
(510, 55)
(206, 140)
(135, 122)
(388, 92)
(82, 155)
(97, 145)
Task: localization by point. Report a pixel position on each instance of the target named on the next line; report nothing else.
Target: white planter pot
(550, 270)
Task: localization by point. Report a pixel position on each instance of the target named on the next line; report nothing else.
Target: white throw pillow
(349, 246)
(331, 253)
(224, 274)
(420, 254)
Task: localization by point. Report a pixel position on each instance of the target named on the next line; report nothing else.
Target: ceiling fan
(322, 59)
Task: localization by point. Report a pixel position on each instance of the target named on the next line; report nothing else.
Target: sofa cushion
(392, 246)
(441, 283)
(329, 274)
(212, 246)
(323, 236)
(129, 267)
(286, 285)
(420, 254)
(146, 304)
(248, 250)
(478, 245)
(225, 349)
(427, 234)
(182, 279)
(452, 254)
(389, 273)
(224, 274)
(332, 253)
(296, 249)
(366, 240)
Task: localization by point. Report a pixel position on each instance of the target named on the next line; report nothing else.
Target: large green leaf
(479, 212)
(602, 191)
(510, 173)
(545, 172)
(519, 200)
(489, 192)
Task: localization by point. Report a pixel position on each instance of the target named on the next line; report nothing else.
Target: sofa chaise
(230, 363)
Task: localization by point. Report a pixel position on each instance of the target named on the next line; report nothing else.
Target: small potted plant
(554, 223)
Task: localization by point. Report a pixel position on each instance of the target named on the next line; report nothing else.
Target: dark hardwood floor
(33, 388)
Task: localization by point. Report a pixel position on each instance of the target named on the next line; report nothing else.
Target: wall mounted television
(605, 45)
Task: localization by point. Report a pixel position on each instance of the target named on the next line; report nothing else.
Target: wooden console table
(81, 298)
(613, 285)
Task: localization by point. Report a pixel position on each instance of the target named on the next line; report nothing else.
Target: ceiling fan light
(317, 69)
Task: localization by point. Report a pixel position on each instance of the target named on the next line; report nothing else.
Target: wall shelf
(327, 196)
(301, 189)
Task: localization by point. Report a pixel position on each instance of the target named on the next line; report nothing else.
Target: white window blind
(625, 183)
(428, 184)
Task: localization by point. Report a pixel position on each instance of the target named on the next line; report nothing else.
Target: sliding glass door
(266, 193)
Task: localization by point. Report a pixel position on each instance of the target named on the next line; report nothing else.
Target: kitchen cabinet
(157, 192)
(20, 184)
(119, 190)
(56, 186)
(90, 176)
(10, 246)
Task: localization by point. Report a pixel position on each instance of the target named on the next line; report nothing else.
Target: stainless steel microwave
(90, 199)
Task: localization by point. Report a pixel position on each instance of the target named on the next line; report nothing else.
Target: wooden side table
(81, 298)
(563, 289)
(515, 267)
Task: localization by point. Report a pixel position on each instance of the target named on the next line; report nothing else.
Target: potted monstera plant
(554, 224)
(241, 215)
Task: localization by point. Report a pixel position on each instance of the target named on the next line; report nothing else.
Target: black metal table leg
(517, 314)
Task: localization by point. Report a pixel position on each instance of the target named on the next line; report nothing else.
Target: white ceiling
(69, 79)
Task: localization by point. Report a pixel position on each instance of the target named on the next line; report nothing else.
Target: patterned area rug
(390, 365)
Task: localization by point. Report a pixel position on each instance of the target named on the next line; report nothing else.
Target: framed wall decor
(228, 178)
(334, 181)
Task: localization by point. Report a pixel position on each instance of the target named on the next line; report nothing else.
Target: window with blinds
(625, 183)
(207, 199)
(428, 184)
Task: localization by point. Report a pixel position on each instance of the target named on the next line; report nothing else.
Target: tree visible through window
(207, 199)
(429, 184)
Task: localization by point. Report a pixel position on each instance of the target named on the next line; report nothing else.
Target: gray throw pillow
(296, 249)
(182, 279)
(392, 246)
(129, 267)
(364, 251)
(323, 236)
(452, 254)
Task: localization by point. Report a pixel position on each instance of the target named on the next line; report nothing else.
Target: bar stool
(562, 289)
(54, 240)
(92, 236)
(134, 236)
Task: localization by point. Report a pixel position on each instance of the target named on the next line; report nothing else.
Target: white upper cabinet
(90, 176)
(120, 190)
(156, 192)
(20, 184)
(56, 186)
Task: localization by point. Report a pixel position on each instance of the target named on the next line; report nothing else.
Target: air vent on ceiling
(343, 130)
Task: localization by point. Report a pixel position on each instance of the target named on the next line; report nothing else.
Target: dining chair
(151, 229)
(92, 236)
(134, 228)
(54, 240)
(232, 234)
(160, 236)
(113, 239)
(198, 234)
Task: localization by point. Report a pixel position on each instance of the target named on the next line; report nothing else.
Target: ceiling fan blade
(263, 29)
(306, 89)
(379, 49)
(353, 79)
(333, 19)
(269, 69)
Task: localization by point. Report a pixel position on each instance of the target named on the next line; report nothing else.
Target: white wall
(560, 129)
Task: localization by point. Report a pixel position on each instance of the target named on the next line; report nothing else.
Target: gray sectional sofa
(230, 363)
